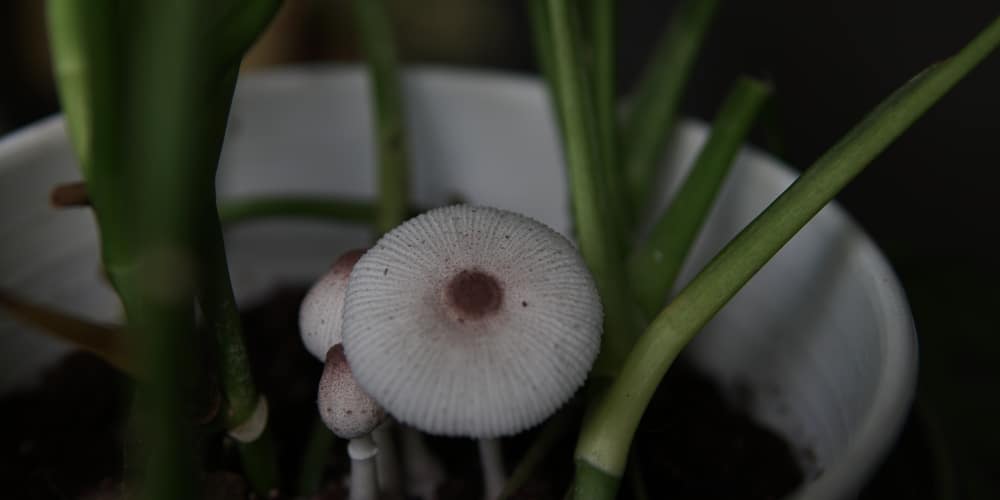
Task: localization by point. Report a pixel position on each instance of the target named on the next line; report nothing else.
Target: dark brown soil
(693, 445)
(64, 439)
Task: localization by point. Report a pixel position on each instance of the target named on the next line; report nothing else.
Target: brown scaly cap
(343, 405)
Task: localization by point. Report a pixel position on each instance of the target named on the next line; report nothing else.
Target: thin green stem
(215, 294)
(222, 314)
(605, 440)
(653, 112)
(594, 222)
(387, 98)
(603, 18)
(655, 264)
(602, 151)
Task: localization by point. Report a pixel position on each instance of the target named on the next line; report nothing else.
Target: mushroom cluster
(464, 321)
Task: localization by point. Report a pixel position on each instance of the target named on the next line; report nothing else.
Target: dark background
(930, 201)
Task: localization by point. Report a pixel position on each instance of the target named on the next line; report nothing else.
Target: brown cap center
(474, 294)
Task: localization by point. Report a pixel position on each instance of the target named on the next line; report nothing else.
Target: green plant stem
(376, 38)
(71, 33)
(603, 18)
(602, 152)
(233, 212)
(85, 48)
(158, 150)
(149, 158)
(654, 265)
(218, 304)
(594, 222)
(606, 437)
(315, 458)
(653, 112)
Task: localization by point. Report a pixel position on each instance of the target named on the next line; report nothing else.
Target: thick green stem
(653, 110)
(387, 99)
(605, 440)
(159, 153)
(148, 107)
(654, 265)
(594, 221)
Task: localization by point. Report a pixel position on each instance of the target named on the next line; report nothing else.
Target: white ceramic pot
(822, 337)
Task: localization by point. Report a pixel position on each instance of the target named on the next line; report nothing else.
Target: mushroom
(351, 414)
(323, 305)
(319, 324)
(472, 321)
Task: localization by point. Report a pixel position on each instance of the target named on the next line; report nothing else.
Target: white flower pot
(822, 337)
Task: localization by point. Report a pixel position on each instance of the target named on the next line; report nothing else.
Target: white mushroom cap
(323, 306)
(471, 321)
(343, 405)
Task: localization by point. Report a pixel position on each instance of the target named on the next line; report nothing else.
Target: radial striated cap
(322, 308)
(344, 407)
(471, 321)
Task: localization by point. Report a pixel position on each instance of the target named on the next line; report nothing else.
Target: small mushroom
(351, 414)
(472, 321)
(320, 326)
(322, 308)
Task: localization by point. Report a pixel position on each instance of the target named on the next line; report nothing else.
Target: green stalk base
(592, 483)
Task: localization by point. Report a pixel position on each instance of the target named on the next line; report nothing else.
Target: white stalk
(424, 472)
(364, 478)
(387, 461)
(491, 459)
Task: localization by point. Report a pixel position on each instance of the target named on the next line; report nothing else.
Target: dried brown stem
(103, 340)
(73, 194)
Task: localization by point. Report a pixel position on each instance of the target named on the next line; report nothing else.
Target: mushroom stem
(387, 461)
(424, 472)
(491, 459)
(364, 478)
